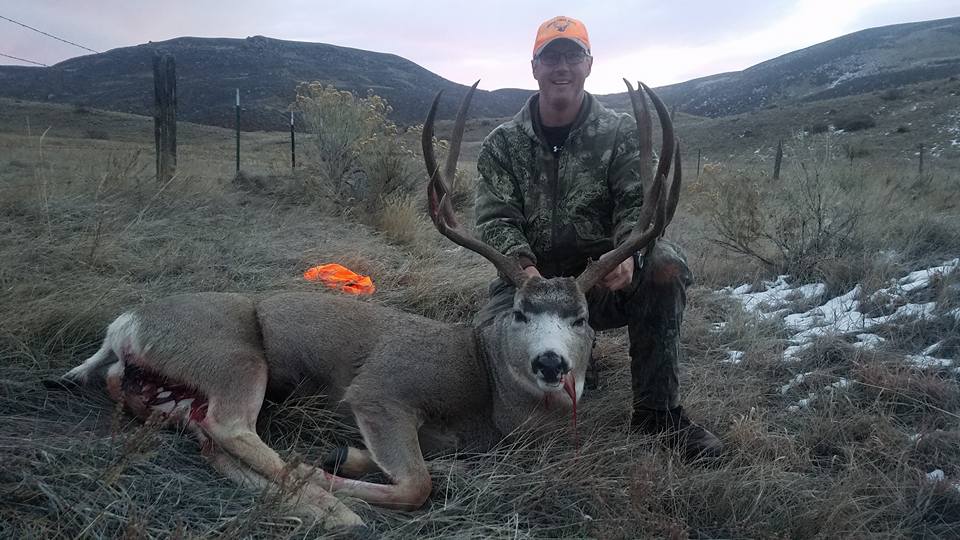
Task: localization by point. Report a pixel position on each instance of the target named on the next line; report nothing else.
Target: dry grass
(90, 233)
(400, 218)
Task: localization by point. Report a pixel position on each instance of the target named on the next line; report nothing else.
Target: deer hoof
(343, 518)
(335, 516)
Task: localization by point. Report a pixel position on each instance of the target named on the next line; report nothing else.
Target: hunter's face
(561, 70)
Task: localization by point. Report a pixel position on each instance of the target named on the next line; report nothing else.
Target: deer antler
(658, 207)
(441, 209)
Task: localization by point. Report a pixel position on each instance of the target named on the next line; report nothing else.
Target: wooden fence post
(778, 160)
(920, 166)
(698, 162)
(293, 145)
(238, 130)
(165, 115)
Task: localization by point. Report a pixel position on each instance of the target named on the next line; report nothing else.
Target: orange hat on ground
(561, 28)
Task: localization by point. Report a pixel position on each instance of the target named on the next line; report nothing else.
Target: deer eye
(519, 317)
(580, 322)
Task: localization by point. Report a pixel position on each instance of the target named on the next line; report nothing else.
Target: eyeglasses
(552, 58)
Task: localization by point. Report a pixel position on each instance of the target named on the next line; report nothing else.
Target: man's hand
(531, 271)
(619, 277)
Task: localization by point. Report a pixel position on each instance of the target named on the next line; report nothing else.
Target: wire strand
(23, 60)
(49, 35)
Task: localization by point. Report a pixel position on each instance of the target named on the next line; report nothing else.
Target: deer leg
(350, 462)
(235, 470)
(356, 462)
(231, 425)
(391, 438)
(242, 474)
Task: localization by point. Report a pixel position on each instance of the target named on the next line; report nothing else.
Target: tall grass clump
(399, 218)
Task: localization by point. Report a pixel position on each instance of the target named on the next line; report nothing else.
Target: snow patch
(842, 316)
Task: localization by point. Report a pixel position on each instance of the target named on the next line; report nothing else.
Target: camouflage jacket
(559, 211)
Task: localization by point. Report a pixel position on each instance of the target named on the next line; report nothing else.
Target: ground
(832, 433)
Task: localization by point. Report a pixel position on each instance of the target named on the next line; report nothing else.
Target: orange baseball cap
(561, 28)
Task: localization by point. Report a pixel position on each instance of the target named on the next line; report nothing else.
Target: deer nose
(550, 366)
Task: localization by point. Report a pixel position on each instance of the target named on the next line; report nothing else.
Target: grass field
(85, 232)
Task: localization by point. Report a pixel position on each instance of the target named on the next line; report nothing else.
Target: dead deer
(413, 386)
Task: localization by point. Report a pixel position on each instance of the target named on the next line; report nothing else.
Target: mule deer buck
(413, 386)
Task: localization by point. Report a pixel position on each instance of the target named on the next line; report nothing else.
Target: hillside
(858, 63)
(267, 71)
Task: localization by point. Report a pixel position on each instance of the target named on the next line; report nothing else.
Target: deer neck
(515, 400)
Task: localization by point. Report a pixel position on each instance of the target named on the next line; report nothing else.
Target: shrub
(892, 94)
(97, 134)
(852, 151)
(342, 124)
(855, 122)
(817, 128)
(790, 226)
(363, 157)
(388, 169)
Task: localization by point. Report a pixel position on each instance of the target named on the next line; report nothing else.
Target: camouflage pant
(651, 308)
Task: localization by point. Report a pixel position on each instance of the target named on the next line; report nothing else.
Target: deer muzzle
(550, 367)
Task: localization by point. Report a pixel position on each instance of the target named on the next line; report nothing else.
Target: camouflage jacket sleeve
(500, 218)
(625, 182)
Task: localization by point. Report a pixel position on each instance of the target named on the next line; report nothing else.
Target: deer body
(401, 377)
(413, 386)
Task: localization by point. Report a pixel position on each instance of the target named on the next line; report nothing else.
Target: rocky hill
(267, 71)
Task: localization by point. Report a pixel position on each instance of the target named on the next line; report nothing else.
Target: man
(559, 185)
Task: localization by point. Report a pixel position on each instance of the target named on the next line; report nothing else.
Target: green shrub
(388, 168)
(854, 151)
(362, 154)
(892, 94)
(855, 122)
(790, 226)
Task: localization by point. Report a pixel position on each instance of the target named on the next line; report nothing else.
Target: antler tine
(441, 209)
(644, 133)
(426, 138)
(450, 171)
(674, 197)
(655, 201)
(666, 126)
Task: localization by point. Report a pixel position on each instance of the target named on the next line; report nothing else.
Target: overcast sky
(659, 42)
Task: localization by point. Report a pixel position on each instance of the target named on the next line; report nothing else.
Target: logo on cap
(561, 28)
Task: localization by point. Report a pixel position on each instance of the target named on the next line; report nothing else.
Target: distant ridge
(267, 71)
(857, 63)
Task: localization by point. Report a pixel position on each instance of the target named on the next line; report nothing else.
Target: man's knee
(666, 264)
